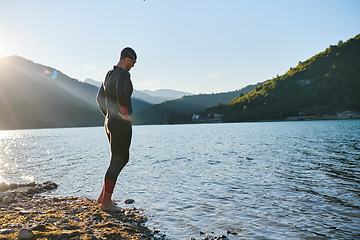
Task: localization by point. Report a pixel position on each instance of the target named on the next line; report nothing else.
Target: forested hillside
(326, 83)
(158, 114)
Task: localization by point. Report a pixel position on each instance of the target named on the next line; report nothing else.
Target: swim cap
(128, 53)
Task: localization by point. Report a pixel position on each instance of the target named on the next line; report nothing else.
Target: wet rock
(6, 200)
(39, 227)
(32, 184)
(96, 216)
(31, 190)
(2, 195)
(129, 201)
(25, 234)
(19, 195)
(25, 212)
(49, 185)
(5, 231)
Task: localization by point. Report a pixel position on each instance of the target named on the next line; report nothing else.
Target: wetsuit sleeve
(121, 93)
(100, 99)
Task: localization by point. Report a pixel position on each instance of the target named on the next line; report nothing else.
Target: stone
(26, 234)
(129, 201)
(5, 231)
(30, 190)
(2, 195)
(96, 216)
(6, 200)
(32, 184)
(39, 227)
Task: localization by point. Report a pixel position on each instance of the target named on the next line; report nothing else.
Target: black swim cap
(128, 53)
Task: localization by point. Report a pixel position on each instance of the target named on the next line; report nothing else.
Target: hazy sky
(197, 46)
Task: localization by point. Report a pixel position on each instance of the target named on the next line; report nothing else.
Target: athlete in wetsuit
(114, 100)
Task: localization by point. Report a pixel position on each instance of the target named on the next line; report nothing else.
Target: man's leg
(107, 203)
(112, 173)
(119, 139)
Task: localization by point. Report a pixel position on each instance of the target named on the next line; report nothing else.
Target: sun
(4, 45)
(2, 49)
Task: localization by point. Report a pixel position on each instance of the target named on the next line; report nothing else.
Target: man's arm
(100, 99)
(122, 98)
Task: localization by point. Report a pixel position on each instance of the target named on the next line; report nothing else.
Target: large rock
(6, 200)
(25, 234)
(2, 195)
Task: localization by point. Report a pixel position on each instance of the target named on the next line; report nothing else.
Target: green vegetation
(324, 84)
(168, 111)
(36, 96)
(178, 118)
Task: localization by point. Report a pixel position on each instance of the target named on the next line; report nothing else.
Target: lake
(272, 180)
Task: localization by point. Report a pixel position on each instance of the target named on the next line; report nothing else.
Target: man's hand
(126, 117)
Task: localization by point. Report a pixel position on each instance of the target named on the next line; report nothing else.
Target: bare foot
(110, 206)
(100, 199)
(112, 201)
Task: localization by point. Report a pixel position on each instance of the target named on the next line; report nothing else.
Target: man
(114, 100)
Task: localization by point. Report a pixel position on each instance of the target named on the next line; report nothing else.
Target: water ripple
(261, 180)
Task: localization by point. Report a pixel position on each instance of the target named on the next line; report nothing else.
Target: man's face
(131, 63)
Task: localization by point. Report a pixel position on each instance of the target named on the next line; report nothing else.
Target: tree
(177, 118)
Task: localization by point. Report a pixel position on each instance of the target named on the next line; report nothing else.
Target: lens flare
(46, 72)
(54, 74)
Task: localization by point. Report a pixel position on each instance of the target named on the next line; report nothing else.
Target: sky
(195, 46)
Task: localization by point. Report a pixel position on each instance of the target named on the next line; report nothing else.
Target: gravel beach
(25, 214)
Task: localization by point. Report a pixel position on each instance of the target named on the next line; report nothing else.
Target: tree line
(327, 83)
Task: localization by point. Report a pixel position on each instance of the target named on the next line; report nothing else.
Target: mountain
(162, 95)
(157, 114)
(92, 82)
(326, 83)
(37, 96)
(149, 96)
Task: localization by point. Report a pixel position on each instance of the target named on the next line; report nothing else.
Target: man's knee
(120, 161)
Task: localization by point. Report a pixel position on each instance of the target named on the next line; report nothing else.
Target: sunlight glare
(52, 73)
(2, 49)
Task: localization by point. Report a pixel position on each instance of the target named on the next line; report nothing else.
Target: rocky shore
(25, 214)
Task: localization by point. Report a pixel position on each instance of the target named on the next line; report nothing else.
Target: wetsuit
(114, 98)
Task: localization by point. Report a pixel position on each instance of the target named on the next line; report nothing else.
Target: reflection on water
(260, 180)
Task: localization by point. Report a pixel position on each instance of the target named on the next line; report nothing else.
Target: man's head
(127, 58)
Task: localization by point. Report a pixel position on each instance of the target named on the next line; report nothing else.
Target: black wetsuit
(114, 97)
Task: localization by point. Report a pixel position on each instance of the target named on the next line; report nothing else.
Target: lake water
(277, 180)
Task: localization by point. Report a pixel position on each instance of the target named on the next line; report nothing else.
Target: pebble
(6, 200)
(129, 201)
(26, 234)
(2, 195)
(39, 227)
(96, 216)
(5, 231)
